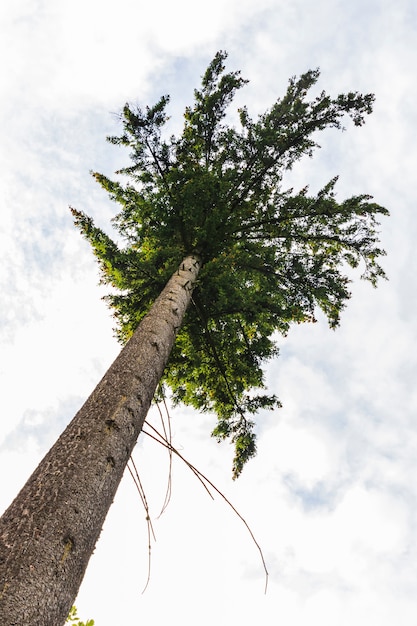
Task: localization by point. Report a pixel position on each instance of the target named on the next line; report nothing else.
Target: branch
(139, 487)
(203, 479)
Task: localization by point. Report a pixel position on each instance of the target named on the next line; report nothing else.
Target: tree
(217, 258)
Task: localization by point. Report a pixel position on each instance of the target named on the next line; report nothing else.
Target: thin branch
(167, 437)
(203, 479)
(167, 445)
(158, 167)
(136, 479)
(210, 343)
(167, 189)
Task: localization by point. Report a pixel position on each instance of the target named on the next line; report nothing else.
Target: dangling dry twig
(205, 481)
(165, 440)
(136, 479)
(168, 438)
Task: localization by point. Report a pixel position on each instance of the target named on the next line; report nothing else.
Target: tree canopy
(270, 256)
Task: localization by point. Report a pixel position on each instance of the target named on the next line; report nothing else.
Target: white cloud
(75, 54)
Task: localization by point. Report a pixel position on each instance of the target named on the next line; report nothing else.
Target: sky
(331, 496)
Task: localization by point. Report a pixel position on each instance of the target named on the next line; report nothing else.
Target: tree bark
(48, 533)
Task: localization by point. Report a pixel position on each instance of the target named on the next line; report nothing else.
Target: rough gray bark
(48, 533)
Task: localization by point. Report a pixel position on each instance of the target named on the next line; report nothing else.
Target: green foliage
(75, 620)
(270, 256)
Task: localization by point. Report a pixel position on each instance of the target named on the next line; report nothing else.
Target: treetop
(271, 257)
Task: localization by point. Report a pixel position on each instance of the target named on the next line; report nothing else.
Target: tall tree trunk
(48, 533)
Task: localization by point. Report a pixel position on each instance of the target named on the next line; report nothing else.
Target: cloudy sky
(331, 496)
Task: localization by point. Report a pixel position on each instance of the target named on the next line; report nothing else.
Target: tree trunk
(48, 533)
